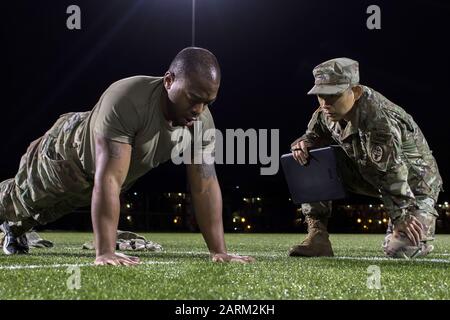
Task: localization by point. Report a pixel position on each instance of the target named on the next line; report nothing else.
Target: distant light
(384, 220)
(234, 219)
(175, 220)
(370, 220)
(168, 194)
(179, 205)
(245, 199)
(446, 203)
(348, 206)
(440, 206)
(129, 218)
(249, 227)
(242, 219)
(179, 194)
(359, 220)
(237, 187)
(365, 227)
(235, 229)
(370, 206)
(381, 205)
(259, 199)
(135, 193)
(379, 222)
(290, 199)
(128, 205)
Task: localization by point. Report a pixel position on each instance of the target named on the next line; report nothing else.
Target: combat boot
(316, 243)
(13, 244)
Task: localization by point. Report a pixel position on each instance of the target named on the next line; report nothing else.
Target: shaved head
(192, 83)
(195, 62)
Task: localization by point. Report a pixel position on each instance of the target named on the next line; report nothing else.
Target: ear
(357, 92)
(168, 80)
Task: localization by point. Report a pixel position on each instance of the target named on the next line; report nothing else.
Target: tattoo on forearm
(206, 170)
(114, 150)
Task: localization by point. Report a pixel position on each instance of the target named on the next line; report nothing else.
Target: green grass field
(183, 271)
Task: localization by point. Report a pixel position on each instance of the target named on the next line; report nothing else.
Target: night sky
(267, 50)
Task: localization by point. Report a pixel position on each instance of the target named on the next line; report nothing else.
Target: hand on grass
(225, 257)
(410, 226)
(116, 259)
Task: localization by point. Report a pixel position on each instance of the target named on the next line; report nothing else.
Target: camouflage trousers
(355, 183)
(50, 181)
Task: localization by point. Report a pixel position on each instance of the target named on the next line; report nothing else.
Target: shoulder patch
(379, 149)
(376, 153)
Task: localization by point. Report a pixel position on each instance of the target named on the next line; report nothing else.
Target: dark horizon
(266, 50)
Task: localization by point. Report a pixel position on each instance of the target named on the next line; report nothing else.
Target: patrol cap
(335, 76)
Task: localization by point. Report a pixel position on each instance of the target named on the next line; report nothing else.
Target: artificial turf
(183, 271)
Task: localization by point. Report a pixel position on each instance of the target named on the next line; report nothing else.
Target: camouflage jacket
(388, 148)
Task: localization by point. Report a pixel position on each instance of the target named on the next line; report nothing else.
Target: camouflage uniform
(50, 181)
(384, 152)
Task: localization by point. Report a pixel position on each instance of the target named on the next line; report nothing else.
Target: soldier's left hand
(225, 257)
(412, 227)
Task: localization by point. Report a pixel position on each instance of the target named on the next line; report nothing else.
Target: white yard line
(66, 265)
(206, 254)
(390, 259)
(331, 258)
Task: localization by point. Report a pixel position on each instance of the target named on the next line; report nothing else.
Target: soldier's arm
(316, 135)
(112, 161)
(398, 196)
(207, 200)
(385, 152)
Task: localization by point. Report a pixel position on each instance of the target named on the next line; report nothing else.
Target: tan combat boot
(316, 243)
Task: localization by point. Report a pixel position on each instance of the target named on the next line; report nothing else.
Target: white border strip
(330, 258)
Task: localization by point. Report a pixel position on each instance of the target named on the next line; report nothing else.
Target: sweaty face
(337, 106)
(188, 97)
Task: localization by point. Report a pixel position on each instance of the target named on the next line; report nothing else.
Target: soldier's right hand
(116, 259)
(300, 152)
(412, 227)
